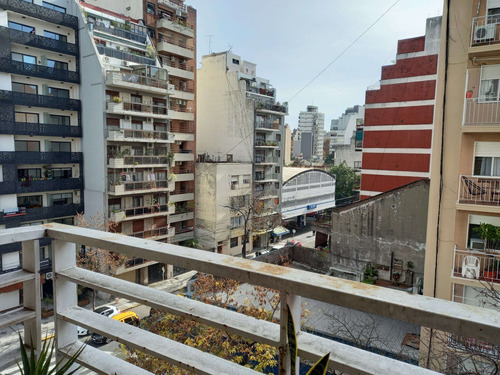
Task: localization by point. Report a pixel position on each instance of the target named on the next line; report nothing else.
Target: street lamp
(244, 249)
(293, 234)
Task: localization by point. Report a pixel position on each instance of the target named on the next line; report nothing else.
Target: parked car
(287, 244)
(103, 310)
(127, 317)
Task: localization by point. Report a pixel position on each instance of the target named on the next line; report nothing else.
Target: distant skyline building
(341, 129)
(399, 116)
(312, 132)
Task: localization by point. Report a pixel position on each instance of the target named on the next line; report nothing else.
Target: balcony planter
(115, 135)
(491, 272)
(116, 162)
(115, 107)
(117, 216)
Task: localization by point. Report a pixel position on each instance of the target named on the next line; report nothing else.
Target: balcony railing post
(294, 302)
(31, 292)
(65, 296)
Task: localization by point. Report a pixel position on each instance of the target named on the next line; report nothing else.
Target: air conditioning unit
(484, 33)
(149, 120)
(49, 275)
(128, 118)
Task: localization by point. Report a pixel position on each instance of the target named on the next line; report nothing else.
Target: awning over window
(279, 231)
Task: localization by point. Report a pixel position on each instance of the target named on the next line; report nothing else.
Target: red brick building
(399, 116)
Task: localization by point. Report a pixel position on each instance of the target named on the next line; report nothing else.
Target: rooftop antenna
(209, 43)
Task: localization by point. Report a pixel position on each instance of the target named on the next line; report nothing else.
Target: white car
(108, 311)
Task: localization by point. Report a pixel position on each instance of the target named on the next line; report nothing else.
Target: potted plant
(491, 270)
(490, 234)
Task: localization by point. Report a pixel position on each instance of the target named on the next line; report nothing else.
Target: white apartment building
(312, 133)
(239, 124)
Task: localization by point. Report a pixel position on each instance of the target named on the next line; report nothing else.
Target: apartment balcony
(181, 214)
(179, 177)
(480, 113)
(132, 135)
(183, 155)
(458, 319)
(479, 193)
(40, 12)
(180, 7)
(189, 137)
(178, 49)
(134, 213)
(261, 159)
(476, 265)
(266, 193)
(53, 184)
(181, 196)
(269, 92)
(177, 69)
(33, 100)
(484, 34)
(267, 177)
(155, 234)
(181, 113)
(183, 93)
(182, 128)
(138, 82)
(266, 144)
(121, 55)
(138, 187)
(38, 41)
(267, 126)
(8, 187)
(176, 26)
(137, 109)
(40, 213)
(35, 128)
(125, 34)
(268, 107)
(183, 234)
(41, 71)
(134, 161)
(27, 157)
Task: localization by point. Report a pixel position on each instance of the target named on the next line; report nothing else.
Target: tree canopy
(346, 180)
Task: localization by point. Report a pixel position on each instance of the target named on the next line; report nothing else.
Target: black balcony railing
(30, 186)
(136, 37)
(111, 52)
(147, 210)
(41, 213)
(8, 187)
(271, 107)
(16, 67)
(38, 41)
(34, 128)
(27, 157)
(21, 98)
(40, 12)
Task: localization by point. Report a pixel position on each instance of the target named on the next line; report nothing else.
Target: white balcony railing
(485, 30)
(481, 112)
(476, 265)
(443, 315)
(479, 190)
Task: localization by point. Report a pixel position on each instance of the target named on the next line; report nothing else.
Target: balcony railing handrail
(41, 12)
(480, 111)
(176, 22)
(479, 190)
(141, 134)
(424, 311)
(37, 128)
(127, 34)
(138, 79)
(181, 109)
(177, 64)
(37, 70)
(143, 159)
(140, 107)
(485, 21)
(169, 40)
(36, 100)
(112, 52)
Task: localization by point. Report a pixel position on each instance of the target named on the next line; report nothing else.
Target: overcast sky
(291, 41)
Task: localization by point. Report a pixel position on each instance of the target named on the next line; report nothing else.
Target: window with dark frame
(234, 242)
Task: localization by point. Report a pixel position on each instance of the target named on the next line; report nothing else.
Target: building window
(30, 201)
(31, 146)
(236, 223)
(487, 159)
(276, 169)
(59, 120)
(54, 7)
(246, 179)
(234, 182)
(21, 27)
(26, 59)
(27, 117)
(24, 88)
(278, 137)
(11, 261)
(151, 8)
(57, 64)
(236, 61)
(234, 242)
(62, 172)
(60, 146)
(61, 199)
(59, 93)
(56, 36)
(28, 173)
(277, 153)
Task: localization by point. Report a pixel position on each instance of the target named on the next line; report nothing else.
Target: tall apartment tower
(128, 150)
(399, 116)
(171, 28)
(40, 125)
(312, 133)
(465, 179)
(240, 152)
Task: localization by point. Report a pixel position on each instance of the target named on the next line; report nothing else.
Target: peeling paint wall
(392, 223)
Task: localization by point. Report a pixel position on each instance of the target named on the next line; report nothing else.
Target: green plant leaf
(320, 367)
(292, 341)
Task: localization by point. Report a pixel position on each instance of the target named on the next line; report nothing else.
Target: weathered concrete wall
(370, 231)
